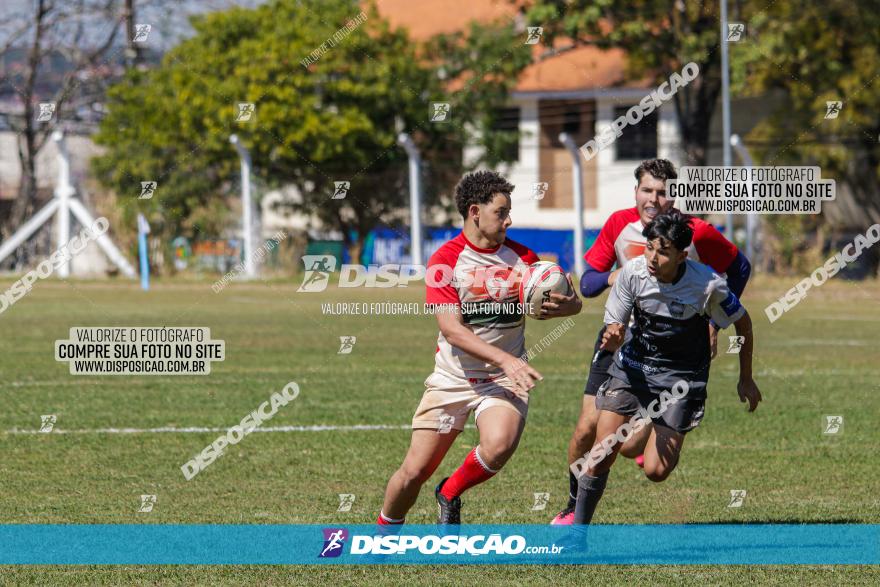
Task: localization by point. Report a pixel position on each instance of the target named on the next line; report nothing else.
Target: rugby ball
(538, 282)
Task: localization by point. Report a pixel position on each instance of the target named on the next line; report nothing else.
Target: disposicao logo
(334, 540)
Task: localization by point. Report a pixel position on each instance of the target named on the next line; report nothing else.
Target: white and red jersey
(485, 288)
(621, 240)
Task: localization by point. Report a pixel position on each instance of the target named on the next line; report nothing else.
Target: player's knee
(631, 448)
(629, 452)
(497, 449)
(584, 434)
(415, 474)
(585, 430)
(657, 474)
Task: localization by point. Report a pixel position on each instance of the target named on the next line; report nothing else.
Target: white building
(579, 91)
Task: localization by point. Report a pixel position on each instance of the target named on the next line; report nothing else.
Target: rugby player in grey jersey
(665, 358)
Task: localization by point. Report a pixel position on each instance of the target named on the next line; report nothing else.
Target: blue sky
(169, 18)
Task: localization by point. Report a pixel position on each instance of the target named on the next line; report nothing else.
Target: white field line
(198, 429)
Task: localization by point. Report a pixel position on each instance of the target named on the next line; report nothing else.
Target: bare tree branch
(56, 29)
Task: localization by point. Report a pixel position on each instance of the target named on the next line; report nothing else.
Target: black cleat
(450, 510)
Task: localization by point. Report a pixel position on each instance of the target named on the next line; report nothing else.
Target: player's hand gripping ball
(538, 282)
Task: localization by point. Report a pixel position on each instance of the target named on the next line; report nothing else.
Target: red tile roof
(581, 68)
(426, 18)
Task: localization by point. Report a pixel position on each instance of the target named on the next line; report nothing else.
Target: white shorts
(448, 401)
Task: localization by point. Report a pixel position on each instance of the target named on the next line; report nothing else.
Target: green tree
(811, 54)
(660, 37)
(321, 114)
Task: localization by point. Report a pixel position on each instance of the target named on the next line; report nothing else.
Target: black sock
(590, 491)
(572, 489)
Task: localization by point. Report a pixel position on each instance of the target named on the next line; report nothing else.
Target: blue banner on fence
(386, 245)
(717, 544)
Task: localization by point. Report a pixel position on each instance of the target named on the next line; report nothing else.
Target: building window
(507, 122)
(639, 141)
(571, 122)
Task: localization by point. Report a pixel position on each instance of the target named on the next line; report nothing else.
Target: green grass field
(819, 359)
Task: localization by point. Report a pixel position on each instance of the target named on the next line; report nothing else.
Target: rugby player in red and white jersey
(619, 241)
(479, 363)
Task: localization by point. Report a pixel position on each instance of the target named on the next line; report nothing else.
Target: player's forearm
(744, 329)
(738, 274)
(594, 282)
(616, 315)
(463, 338)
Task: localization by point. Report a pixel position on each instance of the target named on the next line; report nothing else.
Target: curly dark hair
(479, 187)
(659, 168)
(671, 226)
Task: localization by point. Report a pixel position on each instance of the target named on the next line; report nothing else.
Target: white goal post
(62, 205)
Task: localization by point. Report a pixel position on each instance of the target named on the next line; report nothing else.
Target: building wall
(616, 176)
(576, 118)
(80, 147)
(614, 181)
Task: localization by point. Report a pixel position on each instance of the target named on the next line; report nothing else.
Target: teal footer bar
(698, 544)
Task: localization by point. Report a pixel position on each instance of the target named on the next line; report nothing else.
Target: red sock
(385, 521)
(471, 472)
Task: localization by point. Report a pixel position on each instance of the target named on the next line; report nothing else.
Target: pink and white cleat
(564, 518)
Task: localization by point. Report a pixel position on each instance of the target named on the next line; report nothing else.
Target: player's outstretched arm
(725, 307)
(461, 337)
(747, 388)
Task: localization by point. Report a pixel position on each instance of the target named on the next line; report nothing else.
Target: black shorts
(599, 366)
(682, 415)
